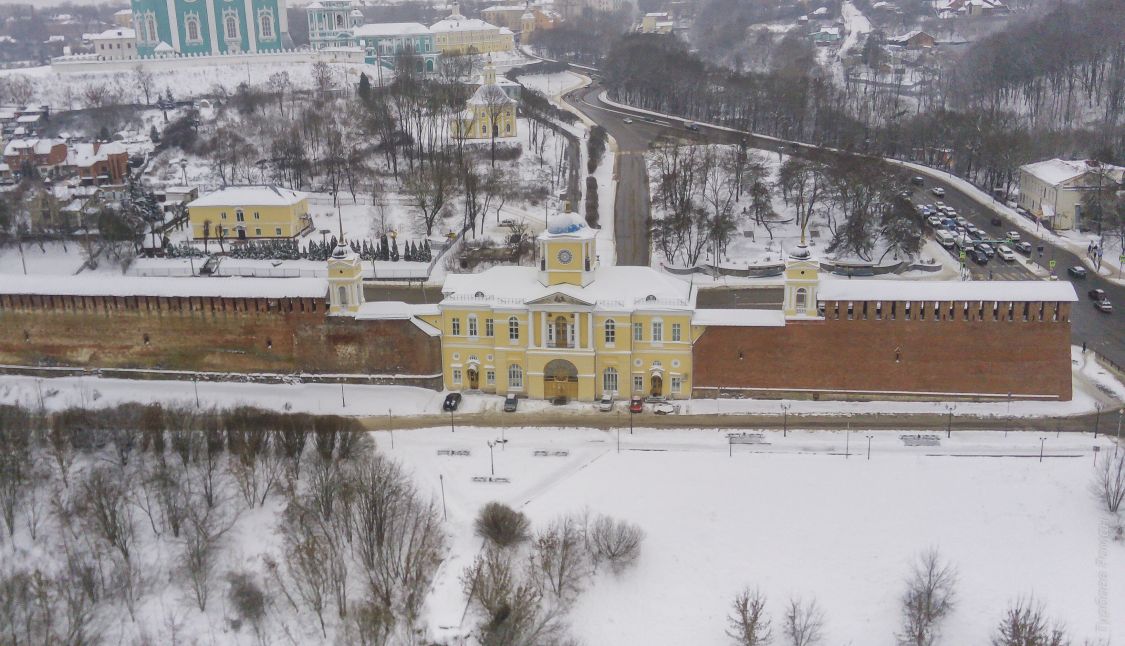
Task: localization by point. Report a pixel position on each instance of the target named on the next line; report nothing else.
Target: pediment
(559, 298)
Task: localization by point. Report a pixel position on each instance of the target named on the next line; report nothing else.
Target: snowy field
(840, 529)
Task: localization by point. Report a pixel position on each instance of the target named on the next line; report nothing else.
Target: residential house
(100, 163)
(458, 35)
(969, 8)
(1052, 191)
(243, 212)
(42, 154)
(490, 112)
(521, 19)
(656, 23)
(826, 36)
(913, 40)
(123, 18)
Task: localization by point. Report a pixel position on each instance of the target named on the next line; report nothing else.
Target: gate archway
(560, 379)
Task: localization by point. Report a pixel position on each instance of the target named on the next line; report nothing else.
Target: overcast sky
(47, 3)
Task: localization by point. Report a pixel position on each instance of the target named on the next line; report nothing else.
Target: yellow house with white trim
(568, 328)
(248, 212)
(488, 113)
(458, 35)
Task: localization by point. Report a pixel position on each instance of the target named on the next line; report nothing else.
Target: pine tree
(408, 252)
(394, 249)
(154, 135)
(429, 254)
(364, 87)
(384, 248)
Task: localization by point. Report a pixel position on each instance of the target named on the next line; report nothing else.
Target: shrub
(595, 146)
(614, 541)
(502, 525)
(591, 201)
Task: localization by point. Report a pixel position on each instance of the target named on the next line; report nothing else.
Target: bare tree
(929, 597)
(748, 623)
(107, 510)
(1024, 624)
(804, 623)
(513, 609)
(559, 563)
(1109, 483)
(144, 80)
(202, 532)
(431, 187)
(502, 525)
(308, 567)
(615, 541)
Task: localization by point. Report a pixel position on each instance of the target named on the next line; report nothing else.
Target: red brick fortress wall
(966, 349)
(244, 335)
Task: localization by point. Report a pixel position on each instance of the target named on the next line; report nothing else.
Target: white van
(944, 238)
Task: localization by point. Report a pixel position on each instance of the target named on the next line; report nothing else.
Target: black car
(1023, 247)
(452, 401)
(978, 256)
(1076, 271)
(918, 180)
(996, 221)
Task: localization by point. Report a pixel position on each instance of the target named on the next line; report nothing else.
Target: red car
(636, 405)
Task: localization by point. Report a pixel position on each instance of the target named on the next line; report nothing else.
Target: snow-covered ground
(1092, 384)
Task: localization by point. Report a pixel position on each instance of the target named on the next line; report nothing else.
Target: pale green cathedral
(168, 27)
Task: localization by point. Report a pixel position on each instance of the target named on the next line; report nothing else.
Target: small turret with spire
(345, 276)
(802, 277)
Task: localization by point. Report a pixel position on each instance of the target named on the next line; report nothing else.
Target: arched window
(802, 300)
(513, 329)
(430, 65)
(192, 26)
(230, 26)
(153, 35)
(339, 21)
(609, 380)
(610, 331)
(343, 292)
(515, 376)
(265, 22)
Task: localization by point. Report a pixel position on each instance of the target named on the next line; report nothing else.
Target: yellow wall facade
(660, 359)
(478, 127)
(478, 41)
(257, 221)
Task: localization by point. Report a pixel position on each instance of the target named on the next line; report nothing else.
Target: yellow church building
(569, 327)
(247, 212)
(489, 112)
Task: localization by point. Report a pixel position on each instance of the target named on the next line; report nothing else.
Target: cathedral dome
(565, 223)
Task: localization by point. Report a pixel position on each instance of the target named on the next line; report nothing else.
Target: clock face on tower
(565, 257)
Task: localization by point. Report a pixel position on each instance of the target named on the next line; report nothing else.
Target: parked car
(636, 405)
(938, 191)
(1005, 253)
(605, 404)
(1023, 247)
(918, 180)
(1097, 295)
(627, 120)
(1076, 271)
(1014, 236)
(510, 403)
(664, 408)
(452, 401)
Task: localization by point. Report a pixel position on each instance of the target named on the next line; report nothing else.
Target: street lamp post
(1042, 441)
(451, 427)
(444, 515)
(848, 441)
(869, 446)
(1120, 415)
(1097, 418)
(785, 420)
(949, 423)
(491, 459)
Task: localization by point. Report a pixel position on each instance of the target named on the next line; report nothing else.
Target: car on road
(1076, 271)
(452, 401)
(960, 220)
(1005, 253)
(1023, 247)
(1097, 295)
(510, 403)
(692, 126)
(1013, 236)
(627, 120)
(1104, 306)
(978, 256)
(986, 249)
(996, 221)
(636, 405)
(938, 191)
(605, 404)
(976, 234)
(664, 408)
(933, 221)
(918, 180)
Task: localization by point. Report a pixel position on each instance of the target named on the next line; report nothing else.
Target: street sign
(1051, 264)
(962, 255)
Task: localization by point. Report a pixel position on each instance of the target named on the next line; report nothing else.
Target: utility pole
(444, 515)
(391, 428)
(491, 459)
(195, 383)
(1042, 440)
(949, 424)
(785, 420)
(869, 446)
(343, 401)
(848, 441)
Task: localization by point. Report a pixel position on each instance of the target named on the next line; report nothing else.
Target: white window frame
(676, 332)
(657, 331)
(489, 329)
(515, 376)
(677, 384)
(473, 330)
(638, 383)
(513, 329)
(638, 331)
(610, 332)
(490, 377)
(457, 376)
(610, 380)
(455, 326)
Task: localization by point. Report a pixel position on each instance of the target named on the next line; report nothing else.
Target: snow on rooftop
(739, 318)
(400, 311)
(96, 285)
(461, 23)
(618, 289)
(115, 34)
(917, 290)
(383, 29)
(1056, 171)
(250, 196)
